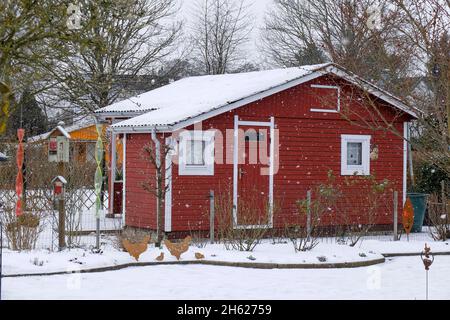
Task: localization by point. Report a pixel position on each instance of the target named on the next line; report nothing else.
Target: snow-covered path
(398, 278)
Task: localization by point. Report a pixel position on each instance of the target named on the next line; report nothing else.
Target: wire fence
(39, 226)
(39, 229)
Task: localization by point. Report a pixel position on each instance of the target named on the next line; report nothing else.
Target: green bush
(428, 178)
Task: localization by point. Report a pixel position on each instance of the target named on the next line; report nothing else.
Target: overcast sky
(258, 8)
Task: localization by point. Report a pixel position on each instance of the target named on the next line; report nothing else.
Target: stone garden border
(254, 265)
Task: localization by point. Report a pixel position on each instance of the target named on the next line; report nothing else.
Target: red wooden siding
(140, 203)
(310, 146)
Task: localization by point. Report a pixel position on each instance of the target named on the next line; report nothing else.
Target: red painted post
(19, 179)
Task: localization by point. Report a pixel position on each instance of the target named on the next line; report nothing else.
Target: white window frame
(364, 168)
(327, 87)
(207, 169)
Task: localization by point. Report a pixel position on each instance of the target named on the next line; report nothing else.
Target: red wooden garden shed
(267, 135)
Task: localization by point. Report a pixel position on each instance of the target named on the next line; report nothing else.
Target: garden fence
(79, 196)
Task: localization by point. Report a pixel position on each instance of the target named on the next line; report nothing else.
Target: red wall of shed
(140, 203)
(310, 146)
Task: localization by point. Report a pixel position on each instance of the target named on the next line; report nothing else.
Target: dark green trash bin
(419, 202)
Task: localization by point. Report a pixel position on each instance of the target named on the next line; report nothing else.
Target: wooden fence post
(308, 214)
(211, 216)
(395, 215)
(61, 224)
(444, 201)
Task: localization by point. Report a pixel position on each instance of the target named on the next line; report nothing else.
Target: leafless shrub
(133, 235)
(438, 218)
(300, 239)
(364, 201)
(246, 233)
(223, 208)
(198, 238)
(22, 232)
(323, 199)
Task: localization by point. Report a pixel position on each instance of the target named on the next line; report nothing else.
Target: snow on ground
(403, 246)
(281, 252)
(398, 278)
(43, 261)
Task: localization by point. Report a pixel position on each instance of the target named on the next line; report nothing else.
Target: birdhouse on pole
(58, 145)
(59, 183)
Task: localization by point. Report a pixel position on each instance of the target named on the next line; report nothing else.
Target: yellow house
(82, 140)
(78, 146)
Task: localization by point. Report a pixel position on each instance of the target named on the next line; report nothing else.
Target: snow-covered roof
(198, 98)
(206, 91)
(60, 178)
(64, 130)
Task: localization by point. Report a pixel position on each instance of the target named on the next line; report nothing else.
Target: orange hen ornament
(136, 249)
(408, 216)
(177, 249)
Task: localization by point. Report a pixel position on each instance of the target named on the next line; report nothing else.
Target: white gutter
(142, 129)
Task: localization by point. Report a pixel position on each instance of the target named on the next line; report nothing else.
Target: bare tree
(28, 29)
(156, 152)
(220, 32)
(116, 38)
(424, 30)
(359, 35)
(401, 46)
(427, 33)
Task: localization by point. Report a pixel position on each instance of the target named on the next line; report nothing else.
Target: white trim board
(207, 169)
(364, 168)
(338, 105)
(113, 171)
(405, 159)
(124, 182)
(168, 185)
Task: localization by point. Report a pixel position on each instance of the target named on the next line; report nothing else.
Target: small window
(196, 153)
(355, 155)
(252, 135)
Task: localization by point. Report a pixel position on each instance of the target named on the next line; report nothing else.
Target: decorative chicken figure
(160, 257)
(136, 249)
(177, 249)
(199, 256)
(408, 216)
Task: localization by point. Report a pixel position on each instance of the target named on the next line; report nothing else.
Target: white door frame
(124, 182)
(113, 173)
(271, 125)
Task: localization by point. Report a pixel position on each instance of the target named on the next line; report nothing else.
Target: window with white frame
(331, 106)
(196, 153)
(355, 155)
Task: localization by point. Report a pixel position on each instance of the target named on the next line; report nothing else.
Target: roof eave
(372, 89)
(142, 129)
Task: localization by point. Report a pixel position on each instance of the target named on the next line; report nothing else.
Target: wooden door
(253, 176)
